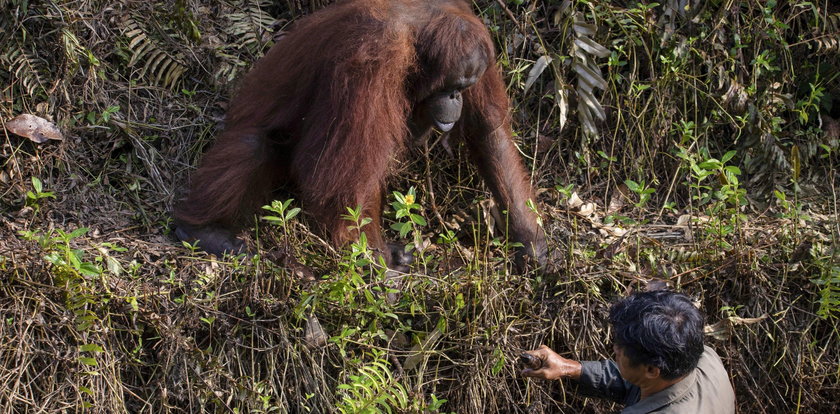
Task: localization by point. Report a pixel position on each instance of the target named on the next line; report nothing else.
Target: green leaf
(728, 156)
(399, 197)
(91, 348)
(88, 269)
(54, 258)
(733, 169)
(36, 184)
(78, 232)
(418, 219)
(406, 227)
(500, 362)
(75, 259)
(711, 164)
(292, 213)
(88, 361)
(459, 301)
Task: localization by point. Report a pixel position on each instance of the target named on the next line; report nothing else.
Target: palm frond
(150, 56)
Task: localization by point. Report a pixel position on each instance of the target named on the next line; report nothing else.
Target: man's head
(660, 329)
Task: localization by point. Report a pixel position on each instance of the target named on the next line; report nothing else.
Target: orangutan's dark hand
(553, 366)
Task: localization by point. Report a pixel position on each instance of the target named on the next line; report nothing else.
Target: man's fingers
(530, 360)
(541, 367)
(528, 372)
(541, 352)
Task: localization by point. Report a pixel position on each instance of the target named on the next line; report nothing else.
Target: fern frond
(248, 26)
(26, 69)
(72, 49)
(373, 389)
(155, 63)
(589, 77)
(246, 30)
(827, 36)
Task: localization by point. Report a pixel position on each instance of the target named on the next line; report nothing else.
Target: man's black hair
(660, 328)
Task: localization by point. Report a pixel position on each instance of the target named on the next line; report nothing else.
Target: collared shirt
(706, 390)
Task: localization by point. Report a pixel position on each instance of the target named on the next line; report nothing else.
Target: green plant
(409, 221)
(283, 216)
(90, 349)
(533, 208)
(191, 246)
(83, 297)
(721, 198)
(565, 191)
(361, 255)
(60, 254)
(811, 104)
(33, 197)
(103, 117)
(372, 388)
(829, 291)
(359, 289)
(642, 190)
(435, 404)
(404, 205)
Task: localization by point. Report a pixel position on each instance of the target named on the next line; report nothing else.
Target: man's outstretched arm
(595, 378)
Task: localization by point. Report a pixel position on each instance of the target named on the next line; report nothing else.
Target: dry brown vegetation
(695, 146)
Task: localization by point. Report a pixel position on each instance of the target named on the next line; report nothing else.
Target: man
(661, 364)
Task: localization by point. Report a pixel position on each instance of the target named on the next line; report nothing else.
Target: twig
(512, 17)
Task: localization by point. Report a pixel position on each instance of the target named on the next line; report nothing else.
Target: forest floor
(103, 310)
(122, 313)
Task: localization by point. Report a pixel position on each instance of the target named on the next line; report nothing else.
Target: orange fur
(327, 108)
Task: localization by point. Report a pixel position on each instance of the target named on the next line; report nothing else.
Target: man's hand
(553, 366)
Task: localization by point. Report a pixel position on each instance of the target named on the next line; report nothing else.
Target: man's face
(633, 374)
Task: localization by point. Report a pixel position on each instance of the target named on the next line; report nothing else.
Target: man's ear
(651, 372)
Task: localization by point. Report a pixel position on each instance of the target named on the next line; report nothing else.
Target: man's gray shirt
(706, 390)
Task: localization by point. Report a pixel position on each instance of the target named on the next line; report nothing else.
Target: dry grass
(123, 319)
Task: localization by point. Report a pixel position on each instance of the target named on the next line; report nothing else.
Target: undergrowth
(691, 144)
